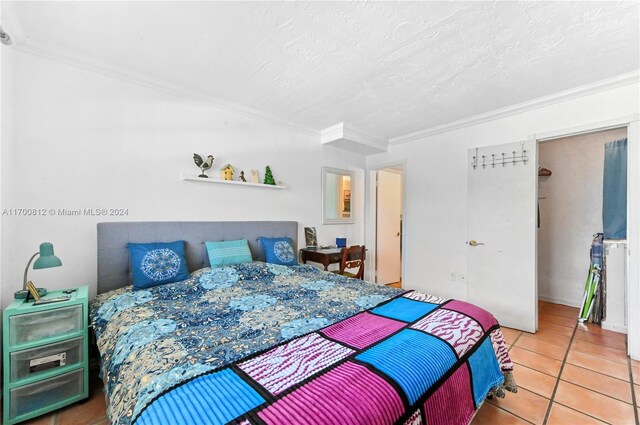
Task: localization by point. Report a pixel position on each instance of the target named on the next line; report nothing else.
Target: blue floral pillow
(279, 251)
(154, 264)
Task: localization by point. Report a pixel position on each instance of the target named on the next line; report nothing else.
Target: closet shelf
(195, 178)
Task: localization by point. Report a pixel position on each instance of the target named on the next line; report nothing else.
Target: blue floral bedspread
(153, 340)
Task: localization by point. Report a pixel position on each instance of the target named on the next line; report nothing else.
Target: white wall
(436, 181)
(570, 203)
(78, 139)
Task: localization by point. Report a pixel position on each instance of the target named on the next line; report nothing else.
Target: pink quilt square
(363, 330)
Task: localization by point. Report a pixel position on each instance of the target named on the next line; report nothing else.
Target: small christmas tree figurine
(268, 177)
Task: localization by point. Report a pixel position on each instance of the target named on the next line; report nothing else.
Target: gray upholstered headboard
(113, 255)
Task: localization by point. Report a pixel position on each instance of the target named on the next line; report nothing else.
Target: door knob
(475, 243)
(398, 234)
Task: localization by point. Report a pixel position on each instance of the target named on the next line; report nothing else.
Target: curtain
(614, 199)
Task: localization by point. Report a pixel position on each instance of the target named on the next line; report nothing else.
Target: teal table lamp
(46, 260)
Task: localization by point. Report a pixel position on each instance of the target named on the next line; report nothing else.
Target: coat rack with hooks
(486, 161)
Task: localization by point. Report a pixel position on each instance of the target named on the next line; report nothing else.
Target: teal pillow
(228, 252)
(279, 251)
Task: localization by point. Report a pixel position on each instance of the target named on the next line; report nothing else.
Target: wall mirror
(337, 196)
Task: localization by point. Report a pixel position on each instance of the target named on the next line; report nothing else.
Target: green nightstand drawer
(36, 339)
(42, 394)
(44, 324)
(33, 362)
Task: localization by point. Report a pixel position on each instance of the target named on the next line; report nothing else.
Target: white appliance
(615, 257)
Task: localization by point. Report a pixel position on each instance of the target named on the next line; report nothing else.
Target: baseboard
(559, 301)
(614, 327)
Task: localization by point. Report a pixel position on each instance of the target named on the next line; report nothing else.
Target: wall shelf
(195, 178)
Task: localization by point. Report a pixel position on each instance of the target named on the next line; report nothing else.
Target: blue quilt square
(404, 309)
(485, 371)
(211, 404)
(413, 359)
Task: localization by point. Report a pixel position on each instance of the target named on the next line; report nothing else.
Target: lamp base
(22, 295)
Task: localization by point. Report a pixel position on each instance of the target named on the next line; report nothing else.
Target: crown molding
(347, 137)
(585, 90)
(105, 68)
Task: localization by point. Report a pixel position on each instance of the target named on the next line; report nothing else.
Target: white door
(388, 223)
(502, 220)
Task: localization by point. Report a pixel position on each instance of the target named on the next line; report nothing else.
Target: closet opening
(572, 175)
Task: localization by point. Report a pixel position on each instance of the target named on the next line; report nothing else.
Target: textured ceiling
(387, 68)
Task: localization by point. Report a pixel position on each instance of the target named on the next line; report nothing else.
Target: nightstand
(45, 353)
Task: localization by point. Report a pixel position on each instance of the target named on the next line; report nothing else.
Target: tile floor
(568, 374)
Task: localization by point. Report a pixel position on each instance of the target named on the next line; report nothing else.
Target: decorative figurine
(227, 172)
(268, 177)
(203, 165)
(311, 237)
(255, 177)
(241, 178)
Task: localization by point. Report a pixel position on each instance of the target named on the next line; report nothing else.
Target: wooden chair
(353, 258)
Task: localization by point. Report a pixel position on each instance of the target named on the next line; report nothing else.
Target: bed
(259, 343)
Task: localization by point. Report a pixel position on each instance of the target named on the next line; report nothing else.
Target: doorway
(570, 206)
(389, 207)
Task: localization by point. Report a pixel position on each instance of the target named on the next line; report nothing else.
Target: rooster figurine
(203, 165)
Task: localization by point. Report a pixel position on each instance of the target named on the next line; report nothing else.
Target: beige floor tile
(636, 374)
(614, 342)
(635, 363)
(524, 404)
(636, 389)
(618, 356)
(598, 364)
(540, 347)
(535, 361)
(84, 413)
(492, 415)
(593, 328)
(594, 404)
(551, 338)
(510, 335)
(561, 310)
(598, 382)
(562, 415)
(534, 381)
(554, 328)
(569, 322)
(49, 419)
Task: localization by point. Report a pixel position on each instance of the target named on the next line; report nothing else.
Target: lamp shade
(47, 258)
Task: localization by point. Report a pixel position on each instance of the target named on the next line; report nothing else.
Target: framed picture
(310, 236)
(33, 291)
(346, 200)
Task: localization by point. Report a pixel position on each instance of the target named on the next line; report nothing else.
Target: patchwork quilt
(257, 343)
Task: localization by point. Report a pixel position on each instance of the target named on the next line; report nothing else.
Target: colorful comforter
(259, 343)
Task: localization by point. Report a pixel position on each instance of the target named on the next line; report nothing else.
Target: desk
(322, 256)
